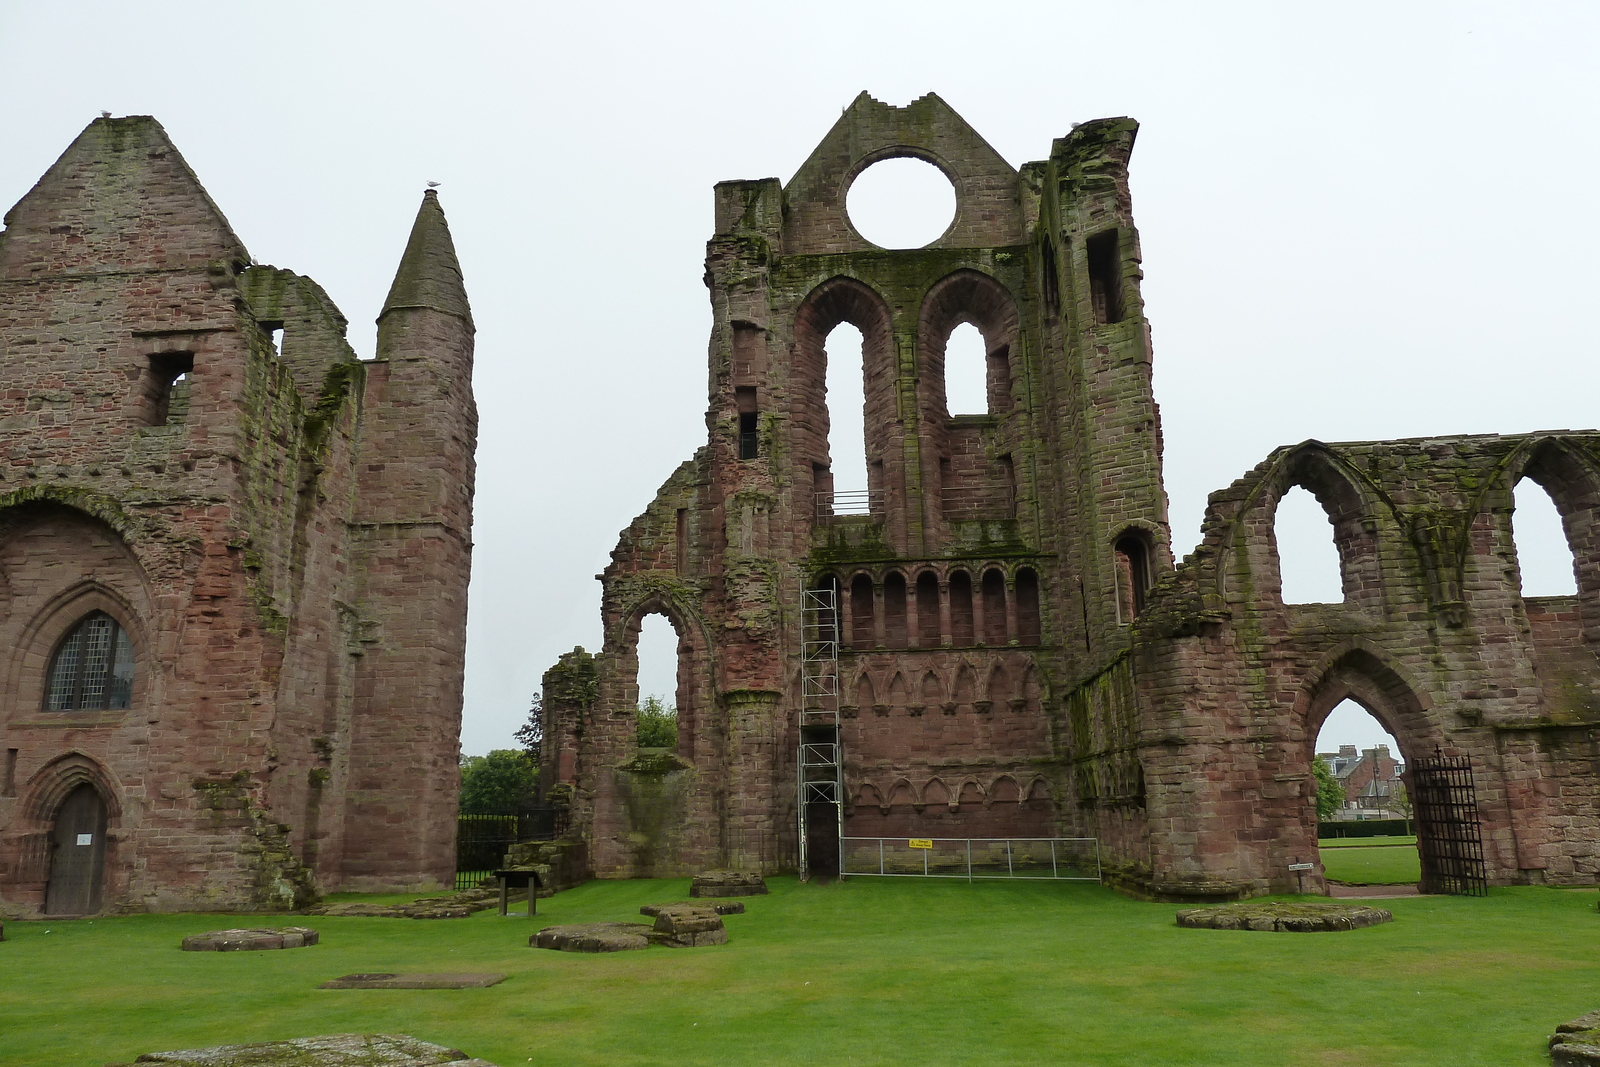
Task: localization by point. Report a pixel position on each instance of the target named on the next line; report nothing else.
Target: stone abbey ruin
(998, 641)
(233, 557)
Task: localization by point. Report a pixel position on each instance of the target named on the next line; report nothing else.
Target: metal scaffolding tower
(820, 765)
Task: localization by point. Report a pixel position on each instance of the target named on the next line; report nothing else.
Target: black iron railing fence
(482, 840)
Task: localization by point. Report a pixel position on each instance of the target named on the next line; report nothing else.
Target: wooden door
(77, 854)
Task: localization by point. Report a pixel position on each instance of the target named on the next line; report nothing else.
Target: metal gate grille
(483, 840)
(1447, 826)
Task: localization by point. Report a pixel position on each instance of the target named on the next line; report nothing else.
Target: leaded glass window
(93, 667)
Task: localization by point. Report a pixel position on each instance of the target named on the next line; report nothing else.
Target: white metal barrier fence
(1068, 859)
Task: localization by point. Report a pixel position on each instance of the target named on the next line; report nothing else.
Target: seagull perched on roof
(105, 114)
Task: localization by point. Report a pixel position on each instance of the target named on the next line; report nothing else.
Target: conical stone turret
(429, 275)
(415, 517)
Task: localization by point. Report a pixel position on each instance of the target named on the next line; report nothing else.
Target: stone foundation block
(688, 926)
(455, 906)
(593, 937)
(721, 907)
(1577, 1043)
(727, 884)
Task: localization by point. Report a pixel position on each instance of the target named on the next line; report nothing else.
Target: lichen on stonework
(336, 389)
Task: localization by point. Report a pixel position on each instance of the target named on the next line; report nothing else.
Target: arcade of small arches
(942, 606)
(968, 686)
(965, 793)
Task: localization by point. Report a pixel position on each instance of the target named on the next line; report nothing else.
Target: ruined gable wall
(89, 296)
(1433, 637)
(666, 816)
(232, 520)
(952, 715)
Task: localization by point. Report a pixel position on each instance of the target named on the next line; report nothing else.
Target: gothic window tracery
(92, 669)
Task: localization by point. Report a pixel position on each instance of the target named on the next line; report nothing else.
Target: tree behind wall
(1330, 794)
(503, 781)
(658, 724)
(530, 735)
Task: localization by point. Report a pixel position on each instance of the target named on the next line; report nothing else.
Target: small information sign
(921, 842)
(85, 839)
(1302, 866)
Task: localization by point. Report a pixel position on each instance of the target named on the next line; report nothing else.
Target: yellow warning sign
(921, 842)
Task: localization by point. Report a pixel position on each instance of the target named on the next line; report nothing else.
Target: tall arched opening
(653, 810)
(966, 333)
(843, 399)
(1362, 698)
(659, 659)
(1544, 556)
(662, 684)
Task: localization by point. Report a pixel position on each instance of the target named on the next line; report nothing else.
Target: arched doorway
(1385, 727)
(1366, 832)
(77, 854)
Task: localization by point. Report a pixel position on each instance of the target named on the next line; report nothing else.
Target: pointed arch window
(1544, 556)
(966, 373)
(92, 669)
(1309, 566)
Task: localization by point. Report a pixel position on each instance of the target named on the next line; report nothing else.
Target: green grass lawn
(1365, 842)
(864, 973)
(1395, 865)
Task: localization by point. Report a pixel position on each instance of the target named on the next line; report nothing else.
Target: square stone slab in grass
(460, 980)
(251, 940)
(332, 1050)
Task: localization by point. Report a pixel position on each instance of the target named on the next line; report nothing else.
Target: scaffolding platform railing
(819, 755)
(1062, 859)
(848, 502)
(819, 761)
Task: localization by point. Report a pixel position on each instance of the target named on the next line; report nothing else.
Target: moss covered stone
(334, 1050)
(1280, 917)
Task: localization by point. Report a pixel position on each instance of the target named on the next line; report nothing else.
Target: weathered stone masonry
(1021, 657)
(282, 533)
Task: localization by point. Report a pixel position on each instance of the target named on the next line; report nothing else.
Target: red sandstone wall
(218, 541)
(729, 542)
(1433, 637)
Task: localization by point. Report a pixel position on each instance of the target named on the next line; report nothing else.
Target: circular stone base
(1277, 917)
(247, 940)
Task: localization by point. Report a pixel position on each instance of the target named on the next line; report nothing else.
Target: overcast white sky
(1358, 220)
